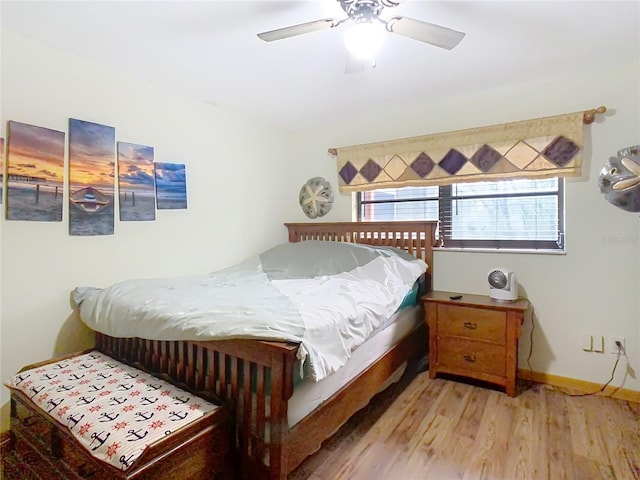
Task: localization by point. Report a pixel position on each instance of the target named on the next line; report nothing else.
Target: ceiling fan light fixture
(365, 36)
(364, 39)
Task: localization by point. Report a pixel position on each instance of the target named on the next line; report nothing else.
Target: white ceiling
(209, 49)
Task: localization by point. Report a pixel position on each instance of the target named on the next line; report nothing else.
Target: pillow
(313, 258)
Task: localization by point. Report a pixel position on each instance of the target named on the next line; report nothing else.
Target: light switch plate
(598, 343)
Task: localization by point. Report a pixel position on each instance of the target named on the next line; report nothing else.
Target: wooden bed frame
(255, 378)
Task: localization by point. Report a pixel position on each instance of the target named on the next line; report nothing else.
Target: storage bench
(90, 416)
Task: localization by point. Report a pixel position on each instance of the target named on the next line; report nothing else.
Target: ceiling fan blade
(425, 32)
(300, 29)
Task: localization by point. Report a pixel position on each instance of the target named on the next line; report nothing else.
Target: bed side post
(281, 391)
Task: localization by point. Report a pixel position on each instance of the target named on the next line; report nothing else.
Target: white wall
(594, 287)
(239, 184)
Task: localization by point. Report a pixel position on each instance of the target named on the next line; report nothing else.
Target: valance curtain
(542, 147)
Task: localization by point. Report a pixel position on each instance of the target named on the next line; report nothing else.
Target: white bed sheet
(329, 316)
(308, 395)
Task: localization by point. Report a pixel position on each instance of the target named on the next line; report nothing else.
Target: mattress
(308, 395)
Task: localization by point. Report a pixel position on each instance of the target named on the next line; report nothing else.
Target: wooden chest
(198, 450)
(474, 336)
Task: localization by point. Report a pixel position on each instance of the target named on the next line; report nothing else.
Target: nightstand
(474, 336)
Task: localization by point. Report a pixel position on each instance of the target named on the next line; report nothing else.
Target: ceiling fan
(368, 12)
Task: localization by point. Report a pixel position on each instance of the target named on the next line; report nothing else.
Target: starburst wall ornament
(620, 179)
(316, 197)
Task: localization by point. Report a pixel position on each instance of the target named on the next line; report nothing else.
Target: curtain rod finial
(590, 115)
(333, 151)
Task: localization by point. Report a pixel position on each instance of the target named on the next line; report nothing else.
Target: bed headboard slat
(416, 237)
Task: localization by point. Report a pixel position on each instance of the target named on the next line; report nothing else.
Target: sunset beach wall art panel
(91, 178)
(136, 185)
(1, 169)
(35, 173)
(171, 186)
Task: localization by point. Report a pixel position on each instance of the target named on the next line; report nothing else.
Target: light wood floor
(440, 429)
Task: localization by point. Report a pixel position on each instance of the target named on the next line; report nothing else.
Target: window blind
(518, 214)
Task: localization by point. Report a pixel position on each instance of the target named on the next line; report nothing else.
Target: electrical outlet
(613, 348)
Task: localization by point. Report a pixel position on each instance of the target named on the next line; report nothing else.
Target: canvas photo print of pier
(91, 178)
(171, 186)
(136, 185)
(35, 173)
(1, 169)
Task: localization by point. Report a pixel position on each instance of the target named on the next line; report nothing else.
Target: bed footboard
(254, 379)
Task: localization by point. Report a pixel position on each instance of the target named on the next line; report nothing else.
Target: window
(514, 214)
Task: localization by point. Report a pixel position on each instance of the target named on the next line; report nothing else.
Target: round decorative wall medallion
(316, 197)
(619, 179)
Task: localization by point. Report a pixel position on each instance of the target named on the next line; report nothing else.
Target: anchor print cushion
(115, 411)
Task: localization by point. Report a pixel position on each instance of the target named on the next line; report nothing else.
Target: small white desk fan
(503, 284)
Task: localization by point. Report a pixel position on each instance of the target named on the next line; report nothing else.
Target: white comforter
(329, 315)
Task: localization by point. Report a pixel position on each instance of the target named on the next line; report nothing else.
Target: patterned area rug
(14, 466)
(16, 462)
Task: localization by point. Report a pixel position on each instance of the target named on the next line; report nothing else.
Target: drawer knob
(470, 325)
(470, 358)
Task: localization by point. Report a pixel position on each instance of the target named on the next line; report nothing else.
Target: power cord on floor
(613, 372)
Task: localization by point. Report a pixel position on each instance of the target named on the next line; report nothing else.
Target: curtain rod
(587, 118)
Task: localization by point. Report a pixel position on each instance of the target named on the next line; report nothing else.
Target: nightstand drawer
(474, 336)
(473, 323)
(471, 356)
